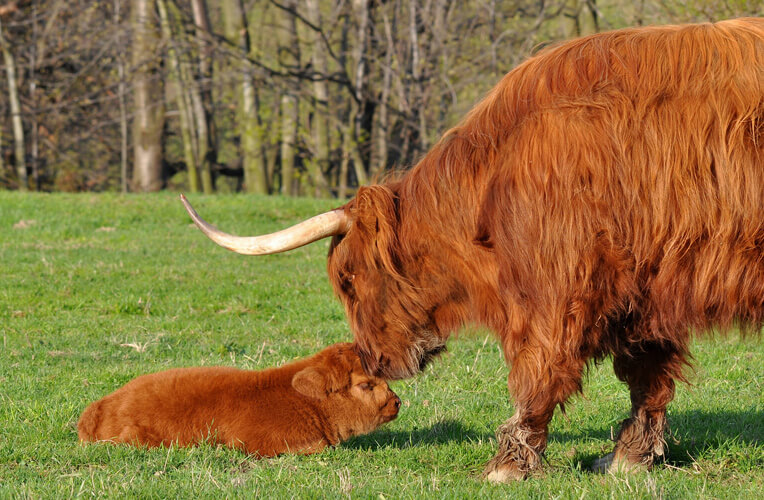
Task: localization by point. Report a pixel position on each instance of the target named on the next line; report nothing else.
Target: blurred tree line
(298, 97)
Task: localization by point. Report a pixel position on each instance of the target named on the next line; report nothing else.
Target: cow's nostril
(397, 402)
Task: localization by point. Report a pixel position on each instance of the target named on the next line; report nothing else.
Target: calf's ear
(311, 382)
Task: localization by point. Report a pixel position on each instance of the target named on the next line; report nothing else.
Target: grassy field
(97, 289)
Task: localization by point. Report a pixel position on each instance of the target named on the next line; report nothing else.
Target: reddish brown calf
(301, 407)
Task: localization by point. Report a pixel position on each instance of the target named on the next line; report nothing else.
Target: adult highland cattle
(605, 198)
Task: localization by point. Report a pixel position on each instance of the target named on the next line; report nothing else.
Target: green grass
(97, 289)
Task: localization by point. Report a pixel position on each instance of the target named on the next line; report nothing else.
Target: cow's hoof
(615, 463)
(503, 473)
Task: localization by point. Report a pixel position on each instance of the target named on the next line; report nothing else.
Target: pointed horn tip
(187, 204)
(185, 201)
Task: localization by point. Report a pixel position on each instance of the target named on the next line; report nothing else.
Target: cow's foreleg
(539, 382)
(650, 373)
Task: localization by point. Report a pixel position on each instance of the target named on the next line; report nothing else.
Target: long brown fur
(605, 198)
(300, 407)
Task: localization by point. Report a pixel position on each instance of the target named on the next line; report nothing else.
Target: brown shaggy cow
(300, 407)
(605, 199)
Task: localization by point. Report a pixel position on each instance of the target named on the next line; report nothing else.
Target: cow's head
(399, 305)
(385, 280)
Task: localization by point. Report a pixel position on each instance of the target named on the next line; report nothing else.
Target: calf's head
(354, 402)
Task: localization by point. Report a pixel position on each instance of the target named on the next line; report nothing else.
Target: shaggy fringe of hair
(519, 446)
(641, 440)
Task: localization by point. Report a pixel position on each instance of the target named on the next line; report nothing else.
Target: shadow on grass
(698, 433)
(442, 432)
(693, 434)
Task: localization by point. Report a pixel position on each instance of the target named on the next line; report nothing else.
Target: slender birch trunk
(122, 105)
(18, 128)
(290, 110)
(201, 97)
(34, 149)
(347, 144)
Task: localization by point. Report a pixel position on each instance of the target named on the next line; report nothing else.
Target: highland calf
(605, 199)
(300, 407)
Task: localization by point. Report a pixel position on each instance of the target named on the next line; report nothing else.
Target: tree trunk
(18, 128)
(122, 105)
(202, 97)
(255, 172)
(289, 116)
(361, 12)
(416, 77)
(290, 111)
(347, 144)
(181, 99)
(320, 124)
(148, 122)
(188, 88)
(380, 145)
(271, 144)
(2, 159)
(255, 167)
(35, 140)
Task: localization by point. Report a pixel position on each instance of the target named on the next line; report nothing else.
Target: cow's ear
(311, 382)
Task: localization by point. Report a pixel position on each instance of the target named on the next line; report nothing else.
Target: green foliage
(99, 289)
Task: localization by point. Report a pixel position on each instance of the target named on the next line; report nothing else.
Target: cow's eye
(366, 386)
(347, 283)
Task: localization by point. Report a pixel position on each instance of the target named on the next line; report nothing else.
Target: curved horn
(308, 231)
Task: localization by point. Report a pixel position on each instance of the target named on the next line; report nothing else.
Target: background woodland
(297, 97)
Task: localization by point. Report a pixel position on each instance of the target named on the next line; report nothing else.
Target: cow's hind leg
(650, 372)
(539, 383)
